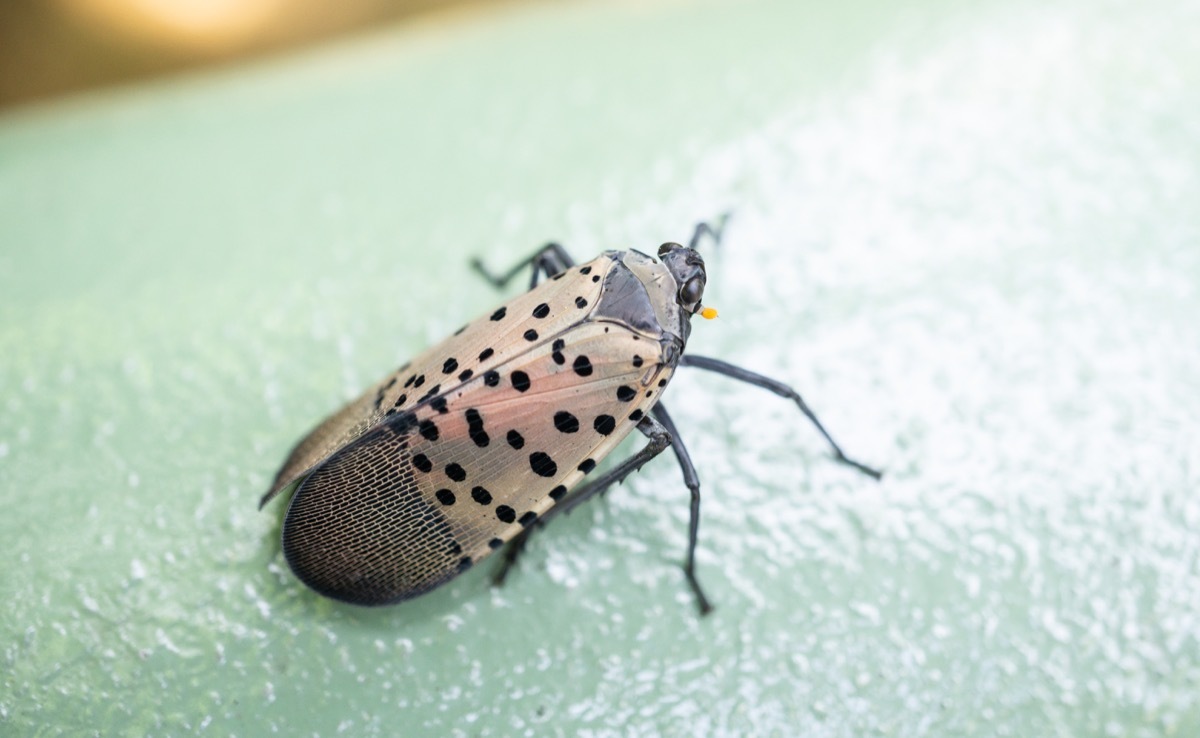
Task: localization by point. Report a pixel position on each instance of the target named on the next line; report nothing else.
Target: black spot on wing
(515, 439)
(456, 472)
(475, 428)
(542, 465)
(429, 430)
(422, 462)
(520, 381)
(604, 424)
(565, 422)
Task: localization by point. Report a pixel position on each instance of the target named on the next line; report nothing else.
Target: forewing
(333, 433)
(432, 490)
(487, 342)
(508, 447)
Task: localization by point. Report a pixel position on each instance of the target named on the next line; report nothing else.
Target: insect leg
(781, 389)
(692, 480)
(659, 437)
(549, 260)
(715, 230)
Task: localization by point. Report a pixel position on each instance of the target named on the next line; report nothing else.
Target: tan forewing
(562, 414)
(487, 342)
(425, 494)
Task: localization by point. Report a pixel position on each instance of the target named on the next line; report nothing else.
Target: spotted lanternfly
(464, 449)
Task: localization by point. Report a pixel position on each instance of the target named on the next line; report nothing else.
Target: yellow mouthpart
(708, 313)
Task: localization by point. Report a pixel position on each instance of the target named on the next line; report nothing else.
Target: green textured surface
(970, 236)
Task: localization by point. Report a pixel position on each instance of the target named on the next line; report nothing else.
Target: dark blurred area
(53, 47)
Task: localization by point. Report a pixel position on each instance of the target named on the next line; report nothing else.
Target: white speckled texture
(971, 237)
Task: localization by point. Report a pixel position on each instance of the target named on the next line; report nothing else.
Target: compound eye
(691, 292)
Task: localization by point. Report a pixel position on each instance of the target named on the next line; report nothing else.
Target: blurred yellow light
(203, 24)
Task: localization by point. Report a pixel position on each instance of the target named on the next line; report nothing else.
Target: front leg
(549, 260)
(714, 230)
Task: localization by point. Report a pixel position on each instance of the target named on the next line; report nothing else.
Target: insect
(463, 450)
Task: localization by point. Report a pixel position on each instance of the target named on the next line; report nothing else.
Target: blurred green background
(969, 234)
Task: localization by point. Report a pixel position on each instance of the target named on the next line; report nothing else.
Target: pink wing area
(437, 487)
(483, 344)
(541, 440)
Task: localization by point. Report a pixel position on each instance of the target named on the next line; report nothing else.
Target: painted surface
(968, 236)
